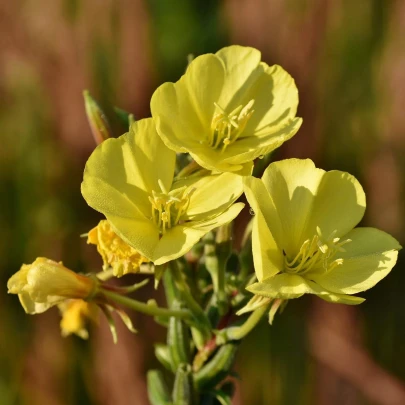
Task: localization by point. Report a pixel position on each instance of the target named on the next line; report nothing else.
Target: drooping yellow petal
(367, 259)
(75, 316)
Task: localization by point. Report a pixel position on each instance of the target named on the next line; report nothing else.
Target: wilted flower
(75, 316)
(117, 254)
(46, 283)
(303, 237)
(130, 180)
(227, 109)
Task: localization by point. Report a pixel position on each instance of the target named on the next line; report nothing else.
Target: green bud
(183, 393)
(217, 368)
(178, 340)
(158, 393)
(162, 353)
(97, 119)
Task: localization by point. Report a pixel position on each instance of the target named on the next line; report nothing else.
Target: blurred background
(348, 59)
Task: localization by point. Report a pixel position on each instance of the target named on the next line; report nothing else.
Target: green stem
(145, 308)
(239, 332)
(199, 314)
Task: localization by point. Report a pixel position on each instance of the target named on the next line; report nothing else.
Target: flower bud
(46, 283)
(97, 119)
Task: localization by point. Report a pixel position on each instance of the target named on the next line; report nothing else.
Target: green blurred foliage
(42, 212)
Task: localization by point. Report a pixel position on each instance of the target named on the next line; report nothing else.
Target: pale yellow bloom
(46, 283)
(114, 251)
(228, 109)
(75, 316)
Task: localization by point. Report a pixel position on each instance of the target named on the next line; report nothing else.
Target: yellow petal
(121, 173)
(240, 64)
(268, 258)
(142, 235)
(183, 110)
(339, 205)
(289, 286)
(214, 193)
(180, 239)
(367, 259)
(31, 307)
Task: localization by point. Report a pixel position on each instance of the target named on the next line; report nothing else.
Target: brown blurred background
(348, 59)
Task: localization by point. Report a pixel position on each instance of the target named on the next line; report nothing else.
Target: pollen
(227, 128)
(317, 253)
(168, 208)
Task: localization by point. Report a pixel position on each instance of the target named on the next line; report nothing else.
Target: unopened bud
(97, 119)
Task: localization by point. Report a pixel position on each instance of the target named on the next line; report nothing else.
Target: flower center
(317, 252)
(168, 207)
(226, 128)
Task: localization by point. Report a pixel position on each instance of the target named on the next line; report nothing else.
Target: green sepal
(162, 353)
(183, 392)
(158, 392)
(125, 117)
(217, 368)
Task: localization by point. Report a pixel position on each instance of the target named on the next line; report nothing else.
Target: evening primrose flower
(304, 237)
(114, 251)
(46, 283)
(75, 317)
(130, 180)
(227, 109)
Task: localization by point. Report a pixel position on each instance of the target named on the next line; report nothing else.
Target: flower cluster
(172, 185)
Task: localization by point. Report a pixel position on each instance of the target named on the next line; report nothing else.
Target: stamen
(226, 128)
(317, 252)
(168, 208)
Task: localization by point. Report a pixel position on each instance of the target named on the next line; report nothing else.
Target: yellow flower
(46, 283)
(75, 316)
(114, 251)
(227, 109)
(303, 237)
(130, 180)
